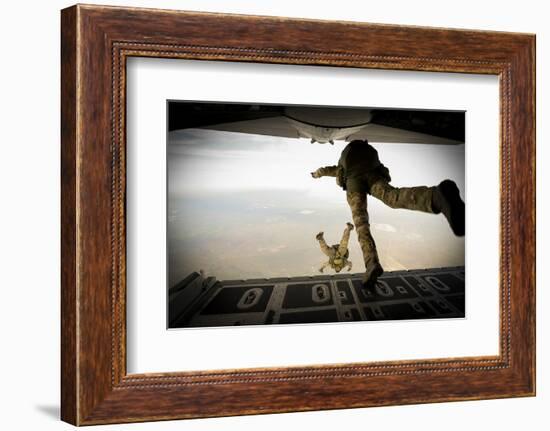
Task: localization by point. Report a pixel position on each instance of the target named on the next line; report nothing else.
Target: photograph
(296, 214)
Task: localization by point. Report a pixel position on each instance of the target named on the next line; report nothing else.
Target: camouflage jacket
(338, 260)
(358, 168)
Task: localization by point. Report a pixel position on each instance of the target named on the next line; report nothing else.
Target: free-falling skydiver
(338, 254)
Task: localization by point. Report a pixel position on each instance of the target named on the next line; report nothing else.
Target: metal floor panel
(400, 295)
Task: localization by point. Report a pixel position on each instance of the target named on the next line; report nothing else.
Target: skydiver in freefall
(338, 254)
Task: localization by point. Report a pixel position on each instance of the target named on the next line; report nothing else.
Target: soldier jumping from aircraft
(338, 253)
(359, 172)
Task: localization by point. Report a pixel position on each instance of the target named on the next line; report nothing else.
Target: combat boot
(446, 199)
(373, 271)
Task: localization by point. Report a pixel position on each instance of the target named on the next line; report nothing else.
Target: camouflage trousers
(412, 198)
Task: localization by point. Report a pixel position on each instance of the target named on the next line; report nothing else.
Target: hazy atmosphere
(245, 206)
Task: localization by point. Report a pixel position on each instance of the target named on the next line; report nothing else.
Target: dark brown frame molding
(95, 43)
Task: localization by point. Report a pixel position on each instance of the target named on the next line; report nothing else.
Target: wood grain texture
(69, 397)
(96, 41)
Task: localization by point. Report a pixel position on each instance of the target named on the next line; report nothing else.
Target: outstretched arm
(326, 171)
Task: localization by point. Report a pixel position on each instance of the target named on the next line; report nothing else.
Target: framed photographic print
(265, 214)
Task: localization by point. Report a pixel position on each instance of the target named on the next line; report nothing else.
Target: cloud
(307, 212)
(414, 236)
(383, 227)
(274, 249)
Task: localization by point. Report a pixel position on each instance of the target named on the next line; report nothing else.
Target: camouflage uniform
(338, 254)
(359, 172)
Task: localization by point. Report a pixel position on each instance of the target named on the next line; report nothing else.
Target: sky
(245, 206)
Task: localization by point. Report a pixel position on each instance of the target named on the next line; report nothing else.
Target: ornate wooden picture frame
(96, 41)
